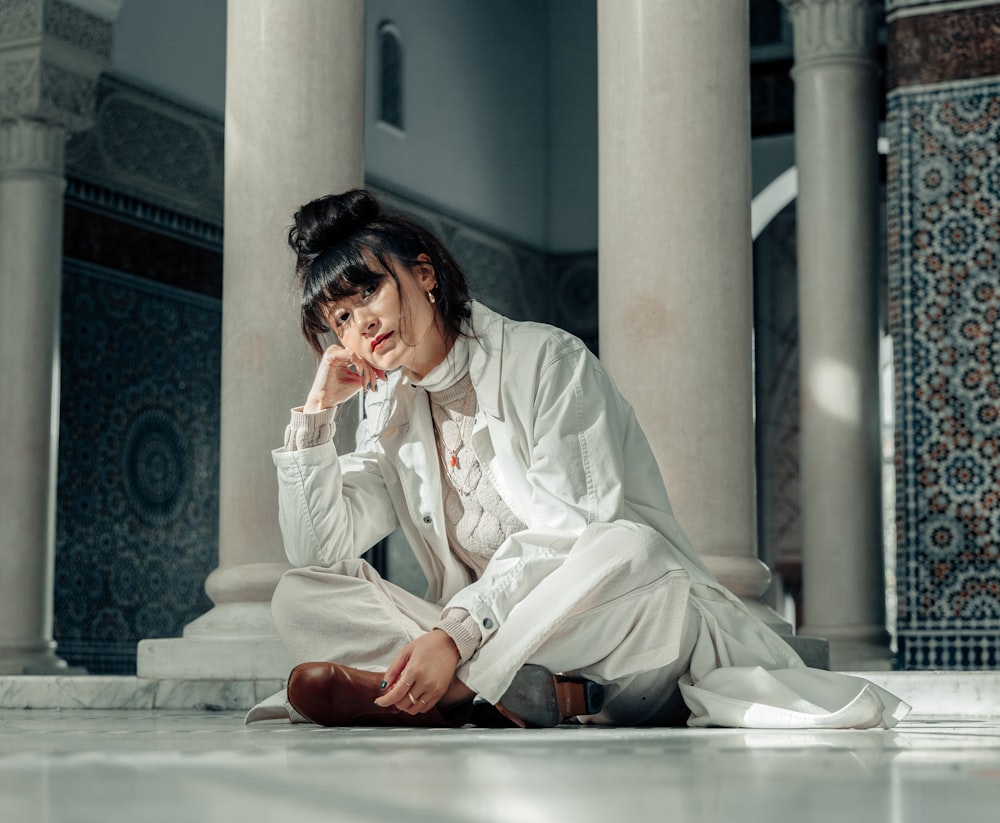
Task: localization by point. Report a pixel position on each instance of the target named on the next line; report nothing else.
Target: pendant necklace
(452, 454)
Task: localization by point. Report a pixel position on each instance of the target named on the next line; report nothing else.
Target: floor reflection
(82, 766)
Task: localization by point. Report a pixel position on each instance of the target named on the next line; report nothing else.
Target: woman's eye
(370, 289)
(342, 318)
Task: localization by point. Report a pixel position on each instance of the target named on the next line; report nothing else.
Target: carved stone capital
(27, 21)
(83, 29)
(51, 54)
(31, 149)
(21, 19)
(833, 30)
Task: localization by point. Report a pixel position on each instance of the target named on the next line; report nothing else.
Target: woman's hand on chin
(339, 377)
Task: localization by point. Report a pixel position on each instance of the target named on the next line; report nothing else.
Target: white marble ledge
(114, 692)
(956, 694)
(933, 693)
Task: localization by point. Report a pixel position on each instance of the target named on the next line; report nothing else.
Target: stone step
(943, 693)
(934, 693)
(122, 692)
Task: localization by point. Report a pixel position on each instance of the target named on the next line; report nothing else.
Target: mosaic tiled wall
(137, 495)
(944, 258)
(137, 504)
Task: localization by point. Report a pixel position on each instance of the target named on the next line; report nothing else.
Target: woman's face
(390, 328)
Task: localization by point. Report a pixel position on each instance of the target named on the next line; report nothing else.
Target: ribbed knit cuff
(461, 627)
(307, 430)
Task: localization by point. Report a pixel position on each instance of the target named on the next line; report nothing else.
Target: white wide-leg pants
(616, 610)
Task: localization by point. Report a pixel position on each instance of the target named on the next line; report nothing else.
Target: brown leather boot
(331, 694)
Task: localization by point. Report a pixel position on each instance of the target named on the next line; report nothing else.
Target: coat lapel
(409, 439)
(487, 368)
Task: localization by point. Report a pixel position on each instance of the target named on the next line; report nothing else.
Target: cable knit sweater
(476, 517)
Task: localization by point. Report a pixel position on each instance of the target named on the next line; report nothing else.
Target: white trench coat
(565, 452)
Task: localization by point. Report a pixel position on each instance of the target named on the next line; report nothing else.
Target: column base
(748, 578)
(856, 648)
(35, 660)
(233, 641)
(814, 651)
(118, 692)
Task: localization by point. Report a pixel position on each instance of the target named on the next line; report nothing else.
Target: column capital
(51, 53)
(30, 149)
(833, 30)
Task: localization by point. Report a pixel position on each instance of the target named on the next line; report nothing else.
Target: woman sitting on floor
(560, 584)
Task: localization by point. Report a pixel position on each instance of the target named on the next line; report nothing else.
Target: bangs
(338, 273)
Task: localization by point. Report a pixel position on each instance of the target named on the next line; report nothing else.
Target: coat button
(427, 519)
(487, 623)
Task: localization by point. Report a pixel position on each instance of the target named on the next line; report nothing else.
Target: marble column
(50, 58)
(294, 118)
(675, 292)
(836, 129)
(31, 198)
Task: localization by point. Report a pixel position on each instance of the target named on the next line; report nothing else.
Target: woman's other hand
(421, 673)
(340, 376)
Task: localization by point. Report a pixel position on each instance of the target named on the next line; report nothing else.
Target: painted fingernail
(383, 684)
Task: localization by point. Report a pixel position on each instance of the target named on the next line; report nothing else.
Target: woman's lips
(380, 339)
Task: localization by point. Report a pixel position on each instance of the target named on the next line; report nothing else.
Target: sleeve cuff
(461, 627)
(305, 431)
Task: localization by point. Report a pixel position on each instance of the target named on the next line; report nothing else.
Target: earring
(430, 296)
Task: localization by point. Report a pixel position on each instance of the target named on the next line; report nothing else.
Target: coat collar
(485, 367)
(486, 358)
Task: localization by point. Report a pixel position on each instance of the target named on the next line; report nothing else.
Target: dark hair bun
(331, 220)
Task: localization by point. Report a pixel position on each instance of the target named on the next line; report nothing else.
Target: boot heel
(593, 694)
(577, 696)
(536, 698)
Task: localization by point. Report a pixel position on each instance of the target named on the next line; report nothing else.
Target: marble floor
(78, 766)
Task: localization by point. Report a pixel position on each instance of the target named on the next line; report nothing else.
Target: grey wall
(500, 104)
(572, 123)
(476, 92)
(177, 47)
